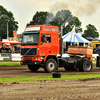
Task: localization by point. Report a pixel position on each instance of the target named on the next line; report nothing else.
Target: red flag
(14, 34)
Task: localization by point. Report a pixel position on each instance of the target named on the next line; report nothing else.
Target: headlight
(35, 58)
(38, 58)
(42, 58)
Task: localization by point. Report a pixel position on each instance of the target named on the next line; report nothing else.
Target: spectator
(12, 49)
(94, 50)
(98, 49)
(15, 47)
(3, 49)
(8, 49)
(18, 49)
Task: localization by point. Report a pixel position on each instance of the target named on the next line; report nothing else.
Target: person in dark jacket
(3, 49)
(8, 50)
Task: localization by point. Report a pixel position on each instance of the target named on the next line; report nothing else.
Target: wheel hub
(51, 65)
(88, 66)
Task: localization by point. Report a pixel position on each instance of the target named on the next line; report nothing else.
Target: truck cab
(40, 43)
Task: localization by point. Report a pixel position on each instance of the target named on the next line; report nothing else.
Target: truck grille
(29, 51)
(28, 58)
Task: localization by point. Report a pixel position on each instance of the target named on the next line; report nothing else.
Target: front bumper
(31, 63)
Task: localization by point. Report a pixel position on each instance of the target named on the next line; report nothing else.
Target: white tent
(74, 37)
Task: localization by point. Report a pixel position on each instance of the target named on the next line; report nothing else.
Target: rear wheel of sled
(50, 65)
(33, 68)
(85, 65)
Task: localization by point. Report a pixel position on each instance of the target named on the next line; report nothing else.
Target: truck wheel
(33, 68)
(85, 65)
(70, 67)
(50, 65)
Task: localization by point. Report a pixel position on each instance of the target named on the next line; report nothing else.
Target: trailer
(41, 47)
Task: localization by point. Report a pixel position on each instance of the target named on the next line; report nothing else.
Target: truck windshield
(30, 39)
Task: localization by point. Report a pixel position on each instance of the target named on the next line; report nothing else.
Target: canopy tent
(9, 42)
(74, 37)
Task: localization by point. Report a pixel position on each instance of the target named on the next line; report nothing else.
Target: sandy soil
(51, 90)
(47, 90)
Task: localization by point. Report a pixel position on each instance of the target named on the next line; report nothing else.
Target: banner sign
(1, 57)
(16, 57)
(5, 56)
(10, 57)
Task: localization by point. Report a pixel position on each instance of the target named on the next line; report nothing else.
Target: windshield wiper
(29, 43)
(35, 43)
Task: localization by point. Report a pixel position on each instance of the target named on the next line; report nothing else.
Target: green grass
(9, 63)
(41, 78)
(13, 63)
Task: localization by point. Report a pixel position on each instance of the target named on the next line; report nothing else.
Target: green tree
(12, 24)
(59, 19)
(40, 18)
(75, 21)
(64, 16)
(90, 31)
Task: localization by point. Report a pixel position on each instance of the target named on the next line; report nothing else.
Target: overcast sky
(88, 11)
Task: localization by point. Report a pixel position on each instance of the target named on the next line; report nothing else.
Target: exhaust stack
(61, 41)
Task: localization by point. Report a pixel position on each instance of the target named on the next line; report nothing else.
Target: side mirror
(41, 43)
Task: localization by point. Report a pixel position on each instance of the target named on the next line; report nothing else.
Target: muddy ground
(20, 71)
(47, 90)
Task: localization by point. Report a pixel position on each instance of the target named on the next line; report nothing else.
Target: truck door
(45, 45)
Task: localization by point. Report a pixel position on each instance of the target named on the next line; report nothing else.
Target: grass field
(43, 78)
(12, 63)
(9, 63)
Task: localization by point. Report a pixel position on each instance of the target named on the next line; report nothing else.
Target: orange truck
(40, 48)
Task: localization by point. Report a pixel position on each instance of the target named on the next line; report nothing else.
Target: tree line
(7, 16)
(43, 17)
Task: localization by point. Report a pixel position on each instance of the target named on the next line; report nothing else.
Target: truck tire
(70, 67)
(33, 68)
(50, 65)
(85, 65)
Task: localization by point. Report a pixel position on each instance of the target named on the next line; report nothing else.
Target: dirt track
(18, 71)
(47, 90)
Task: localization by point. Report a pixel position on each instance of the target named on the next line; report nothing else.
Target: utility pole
(7, 28)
